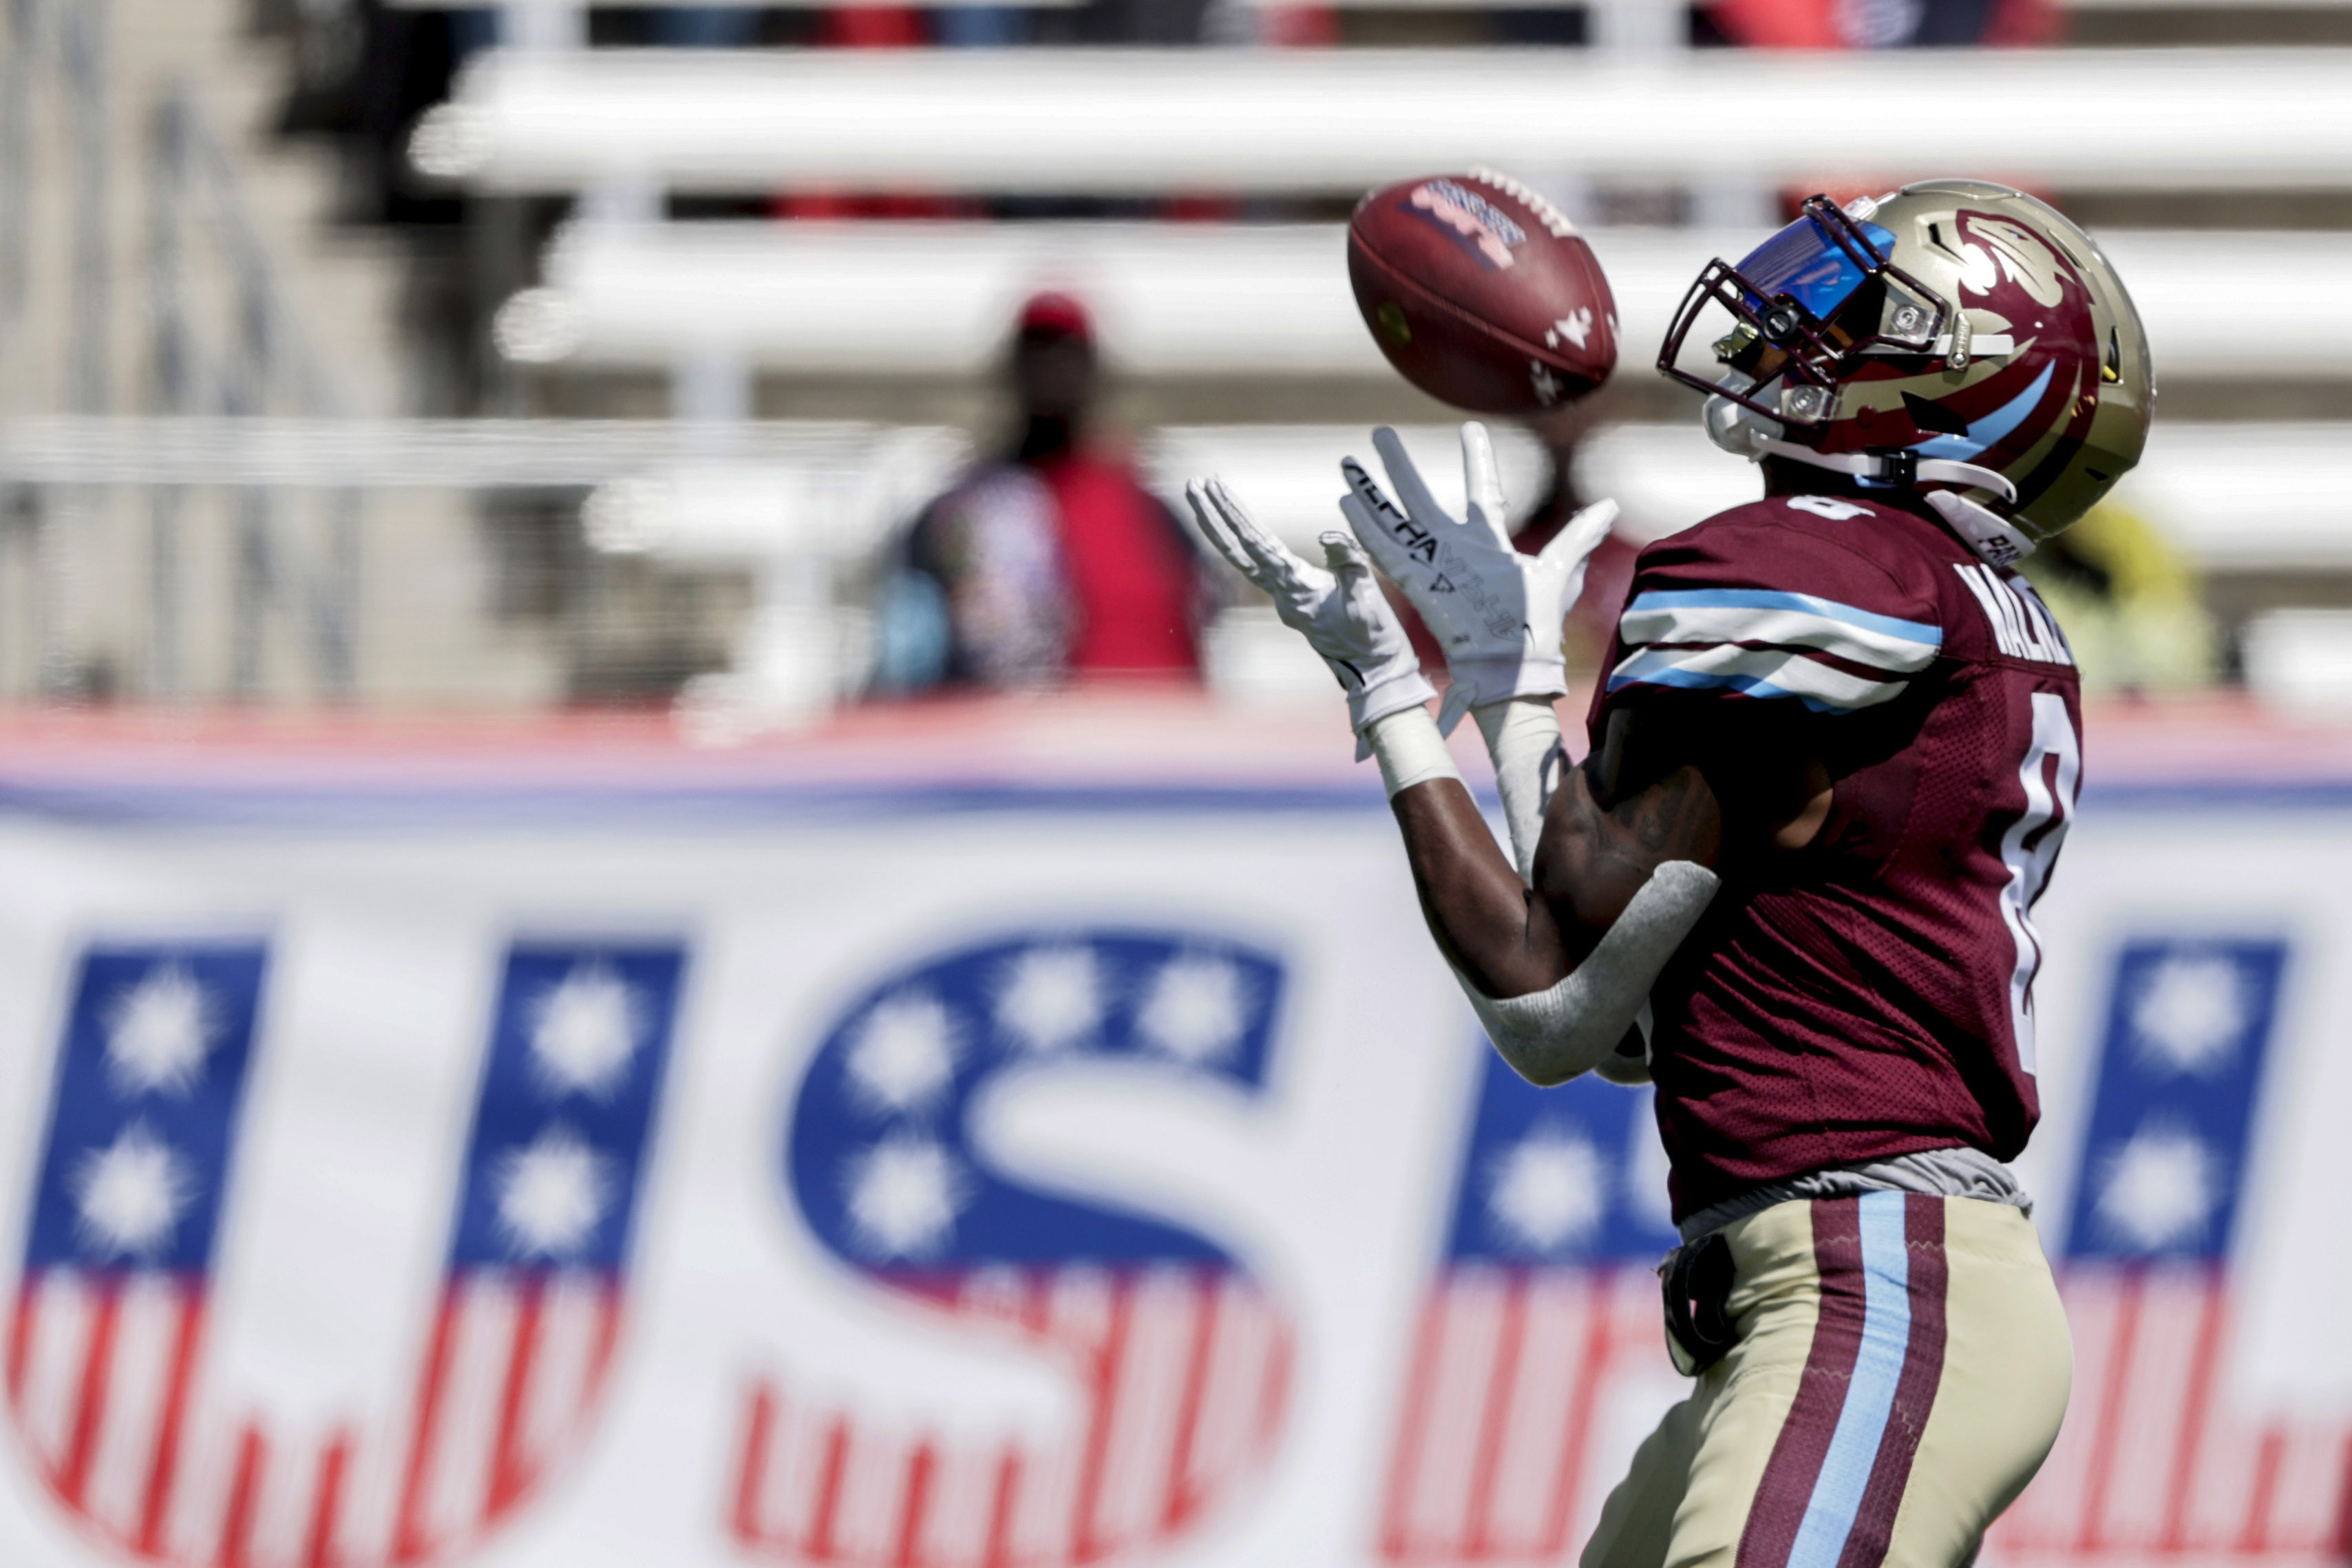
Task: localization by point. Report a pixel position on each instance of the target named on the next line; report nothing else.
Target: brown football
(1481, 293)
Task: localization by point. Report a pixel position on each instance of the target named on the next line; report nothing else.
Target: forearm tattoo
(1646, 827)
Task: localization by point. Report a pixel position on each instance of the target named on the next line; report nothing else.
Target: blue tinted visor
(1805, 263)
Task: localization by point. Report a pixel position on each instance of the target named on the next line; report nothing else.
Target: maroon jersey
(1871, 994)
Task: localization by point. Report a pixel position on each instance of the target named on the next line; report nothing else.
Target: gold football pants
(1899, 1368)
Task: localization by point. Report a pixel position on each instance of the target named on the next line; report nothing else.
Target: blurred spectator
(1051, 562)
(2130, 605)
(704, 27)
(1880, 24)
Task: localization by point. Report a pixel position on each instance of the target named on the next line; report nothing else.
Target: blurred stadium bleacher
(545, 217)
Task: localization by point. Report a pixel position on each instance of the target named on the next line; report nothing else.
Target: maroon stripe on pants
(1797, 1454)
(1915, 1394)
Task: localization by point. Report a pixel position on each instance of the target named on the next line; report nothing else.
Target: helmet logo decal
(2029, 263)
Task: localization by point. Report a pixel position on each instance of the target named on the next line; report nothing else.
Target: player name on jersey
(2022, 624)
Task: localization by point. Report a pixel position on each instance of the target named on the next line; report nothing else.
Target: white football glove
(1496, 611)
(1341, 612)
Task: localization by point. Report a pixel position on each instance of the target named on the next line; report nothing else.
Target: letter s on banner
(1181, 1358)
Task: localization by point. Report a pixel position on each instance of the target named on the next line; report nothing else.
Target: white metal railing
(2231, 497)
(1129, 121)
(808, 509)
(2234, 495)
(1174, 299)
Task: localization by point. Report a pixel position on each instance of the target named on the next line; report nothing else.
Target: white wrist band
(1523, 738)
(1410, 750)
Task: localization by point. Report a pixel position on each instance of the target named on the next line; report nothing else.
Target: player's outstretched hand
(1496, 611)
(1341, 612)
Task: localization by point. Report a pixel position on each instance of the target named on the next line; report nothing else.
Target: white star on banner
(905, 1053)
(1052, 997)
(904, 1194)
(551, 1193)
(1196, 1010)
(2159, 1188)
(2192, 1012)
(1546, 1191)
(159, 1031)
(129, 1195)
(584, 1030)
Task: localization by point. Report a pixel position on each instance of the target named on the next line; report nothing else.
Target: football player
(1831, 761)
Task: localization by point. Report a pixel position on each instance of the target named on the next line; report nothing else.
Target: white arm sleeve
(1523, 737)
(1549, 1036)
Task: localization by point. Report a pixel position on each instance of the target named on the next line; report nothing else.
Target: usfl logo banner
(535, 1196)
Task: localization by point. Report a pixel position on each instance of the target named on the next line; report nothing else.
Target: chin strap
(1893, 468)
(1990, 534)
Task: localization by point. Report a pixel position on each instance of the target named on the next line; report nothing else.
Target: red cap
(1055, 313)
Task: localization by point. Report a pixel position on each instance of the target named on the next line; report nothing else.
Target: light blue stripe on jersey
(1760, 672)
(1745, 685)
(1870, 1394)
(1768, 599)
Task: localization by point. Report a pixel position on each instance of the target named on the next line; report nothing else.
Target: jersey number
(2030, 844)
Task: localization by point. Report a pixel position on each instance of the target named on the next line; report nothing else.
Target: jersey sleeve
(1759, 611)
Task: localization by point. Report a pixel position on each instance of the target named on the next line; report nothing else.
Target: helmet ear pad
(1738, 429)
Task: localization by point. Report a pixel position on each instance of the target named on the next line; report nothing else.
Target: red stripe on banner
(326, 1507)
(1419, 1387)
(2196, 1411)
(608, 1337)
(922, 1467)
(2305, 1505)
(1162, 1342)
(96, 1367)
(1929, 1273)
(1528, 1458)
(2253, 1537)
(759, 1432)
(2173, 1297)
(999, 1553)
(510, 1466)
(243, 1501)
(1104, 1383)
(2107, 1435)
(20, 1335)
(1502, 1380)
(410, 1540)
(1037, 1315)
(1438, 1525)
(2340, 1544)
(827, 1508)
(155, 1505)
(1592, 1371)
(1276, 1391)
(1774, 1517)
(1183, 1496)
